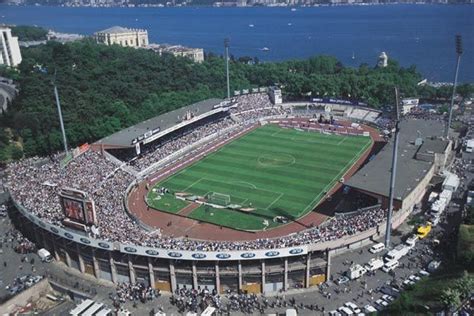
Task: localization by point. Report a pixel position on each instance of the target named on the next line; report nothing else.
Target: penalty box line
(238, 184)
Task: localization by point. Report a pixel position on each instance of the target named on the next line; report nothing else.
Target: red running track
(185, 227)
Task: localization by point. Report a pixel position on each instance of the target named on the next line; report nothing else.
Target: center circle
(276, 160)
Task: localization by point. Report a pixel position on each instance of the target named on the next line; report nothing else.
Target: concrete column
(95, 263)
(218, 280)
(151, 273)
(38, 237)
(131, 270)
(240, 275)
(263, 275)
(195, 277)
(285, 278)
(172, 277)
(68, 259)
(308, 267)
(55, 250)
(82, 267)
(328, 265)
(113, 269)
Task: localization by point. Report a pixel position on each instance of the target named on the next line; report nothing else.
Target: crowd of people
(35, 184)
(251, 107)
(197, 300)
(193, 300)
(163, 150)
(133, 292)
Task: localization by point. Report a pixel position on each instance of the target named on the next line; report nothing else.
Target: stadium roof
(433, 146)
(374, 177)
(126, 137)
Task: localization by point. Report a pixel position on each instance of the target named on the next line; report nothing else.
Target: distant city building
(9, 49)
(383, 60)
(63, 37)
(195, 54)
(122, 36)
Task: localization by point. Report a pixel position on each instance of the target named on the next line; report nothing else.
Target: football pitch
(272, 170)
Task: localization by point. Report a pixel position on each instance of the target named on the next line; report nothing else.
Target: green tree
(450, 298)
(16, 152)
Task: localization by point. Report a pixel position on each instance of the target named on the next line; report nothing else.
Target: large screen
(77, 206)
(74, 209)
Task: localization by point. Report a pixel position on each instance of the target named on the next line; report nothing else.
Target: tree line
(106, 88)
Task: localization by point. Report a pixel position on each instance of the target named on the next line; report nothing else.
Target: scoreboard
(78, 206)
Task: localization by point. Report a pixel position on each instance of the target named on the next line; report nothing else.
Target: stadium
(244, 194)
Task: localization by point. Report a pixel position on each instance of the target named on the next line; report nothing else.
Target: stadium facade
(256, 271)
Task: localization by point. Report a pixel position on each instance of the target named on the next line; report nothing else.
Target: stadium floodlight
(226, 46)
(60, 114)
(458, 42)
(44, 70)
(393, 171)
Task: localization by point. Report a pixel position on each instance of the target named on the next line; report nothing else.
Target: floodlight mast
(58, 105)
(226, 46)
(393, 171)
(458, 61)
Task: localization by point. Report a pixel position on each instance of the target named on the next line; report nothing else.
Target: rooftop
(125, 137)
(431, 146)
(374, 177)
(119, 30)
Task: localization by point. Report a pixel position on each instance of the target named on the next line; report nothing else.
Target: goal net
(218, 198)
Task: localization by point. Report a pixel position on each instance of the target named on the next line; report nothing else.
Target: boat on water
(290, 24)
(293, 9)
(353, 55)
(251, 25)
(265, 49)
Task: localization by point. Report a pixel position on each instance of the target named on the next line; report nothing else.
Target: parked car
(380, 302)
(408, 282)
(342, 279)
(353, 307)
(390, 290)
(369, 309)
(433, 265)
(388, 298)
(411, 241)
(414, 278)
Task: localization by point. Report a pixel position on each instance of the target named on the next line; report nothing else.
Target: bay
(421, 35)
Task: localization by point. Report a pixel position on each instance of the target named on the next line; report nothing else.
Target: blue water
(422, 35)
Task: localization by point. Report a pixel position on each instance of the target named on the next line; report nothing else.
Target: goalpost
(218, 198)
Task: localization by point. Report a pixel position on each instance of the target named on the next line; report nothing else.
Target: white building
(9, 49)
(195, 54)
(383, 60)
(409, 104)
(122, 36)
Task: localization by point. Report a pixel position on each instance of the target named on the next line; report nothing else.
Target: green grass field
(276, 171)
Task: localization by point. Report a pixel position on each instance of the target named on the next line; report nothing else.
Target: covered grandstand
(422, 152)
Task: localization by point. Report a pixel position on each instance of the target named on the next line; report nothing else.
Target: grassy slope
(277, 171)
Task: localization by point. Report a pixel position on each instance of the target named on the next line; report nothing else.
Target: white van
(377, 248)
(396, 253)
(389, 266)
(374, 264)
(45, 255)
(345, 311)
